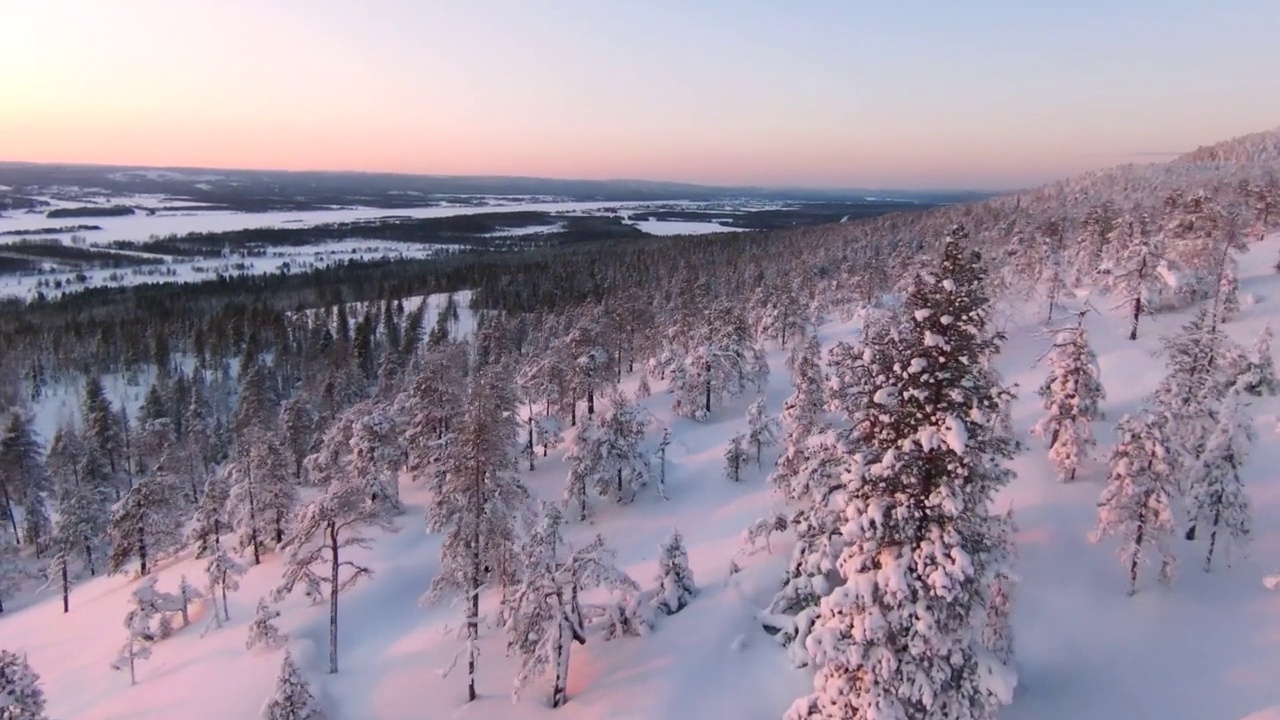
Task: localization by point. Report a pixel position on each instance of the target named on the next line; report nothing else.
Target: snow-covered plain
(1207, 648)
(141, 226)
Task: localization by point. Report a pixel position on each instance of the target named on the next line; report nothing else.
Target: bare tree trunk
(333, 599)
(66, 588)
(8, 507)
(1137, 553)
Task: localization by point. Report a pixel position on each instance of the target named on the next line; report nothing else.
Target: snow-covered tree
(222, 575)
(675, 580)
(736, 457)
(82, 508)
(1072, 396)
(261, 492)
(899, 639)
(328, 525)
(210, 521)
(292, 699)
(1200, 366)
(762, 430)
(21, 697)
(59, 572)
(1216, 498)
(23, 481)
(145, 524)
(263, 630)
(1135, 253)
(802, 410)
(545, 615)
(480, 503)
(13, 572)
(608, 456)
(298, 425)
(997, 628)
(187, 593)
(1259, 374)
(137, 623)
(1137, 504)
(722, 361)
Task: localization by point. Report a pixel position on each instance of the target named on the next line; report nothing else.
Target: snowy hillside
(1206, 648)
(1261, 147)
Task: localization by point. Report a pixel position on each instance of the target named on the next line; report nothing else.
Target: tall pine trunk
(1137, 555)
(333, 598)
(66, 587)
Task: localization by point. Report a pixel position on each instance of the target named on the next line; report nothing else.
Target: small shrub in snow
(293, 699)
(263, 630)
(675, 579)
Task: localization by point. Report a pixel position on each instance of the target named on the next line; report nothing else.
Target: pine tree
(263, 630)
(586, 462)
(13, 573)
(545, 615)
(23, 481)
(145, 524)
(83, 510)
(675, 580)
(328, 525)
(919, 547)
(222, 576)
(210, 521)
(1216, 498)
(1072, 396)
(292, 699)
(262, 495)
(141, 637)
(802, 410)
(298, 429)
(721, 362)
(1137, 503)
(1135, 252)
(21, 697)
(103, 435)
(735, 457)
(762, 430)
(1259, 374)
(480, 503)
(186, 594)
(623, 466)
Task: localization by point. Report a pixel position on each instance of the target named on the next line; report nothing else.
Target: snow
(1208, 648)
(141, 226)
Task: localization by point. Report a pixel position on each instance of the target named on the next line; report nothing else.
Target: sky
(980, 94)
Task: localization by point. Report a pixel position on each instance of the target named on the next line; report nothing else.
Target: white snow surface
(1208, 648)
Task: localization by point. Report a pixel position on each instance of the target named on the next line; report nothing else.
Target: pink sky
(816, 95)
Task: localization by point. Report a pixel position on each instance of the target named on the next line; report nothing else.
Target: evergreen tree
(480, 502)
(145, 524)
(735, 457)
(186, 594)
(13, 573)
(21, 697)
(141, 637)
(675, 579)
(1135, 252)
(222, 576)
(1259, 374)
(83, 510)
(1216, 498)
(59, 572)
(210, 521)
(292, 699)
(1137, 504)
(298, 430)
(899, 639)
(802, 410)
(104, 438)
(23, 481)
(762, 430)
(263, 630)
(1072, 396)
(328, 525)
(261, 495)
(545, 616)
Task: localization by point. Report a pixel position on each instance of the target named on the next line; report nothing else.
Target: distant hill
(1261, 147)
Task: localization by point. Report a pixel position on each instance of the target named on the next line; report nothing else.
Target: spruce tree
(1258, 377)
(919, 545)
(1137, 504)
(762, 430)
(735, 457)
(145, 525)
(480, 503)
(23, 481)
(263, 630)
(1216, 498)
(1072, 397)
(675, 580)
(292, 699)
(21, 697)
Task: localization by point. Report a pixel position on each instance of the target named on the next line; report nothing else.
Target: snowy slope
(1206, 649)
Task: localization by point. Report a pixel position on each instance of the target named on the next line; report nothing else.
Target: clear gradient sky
(823, 93)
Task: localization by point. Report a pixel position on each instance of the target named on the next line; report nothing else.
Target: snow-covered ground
(141, 226)
(1207, 648)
